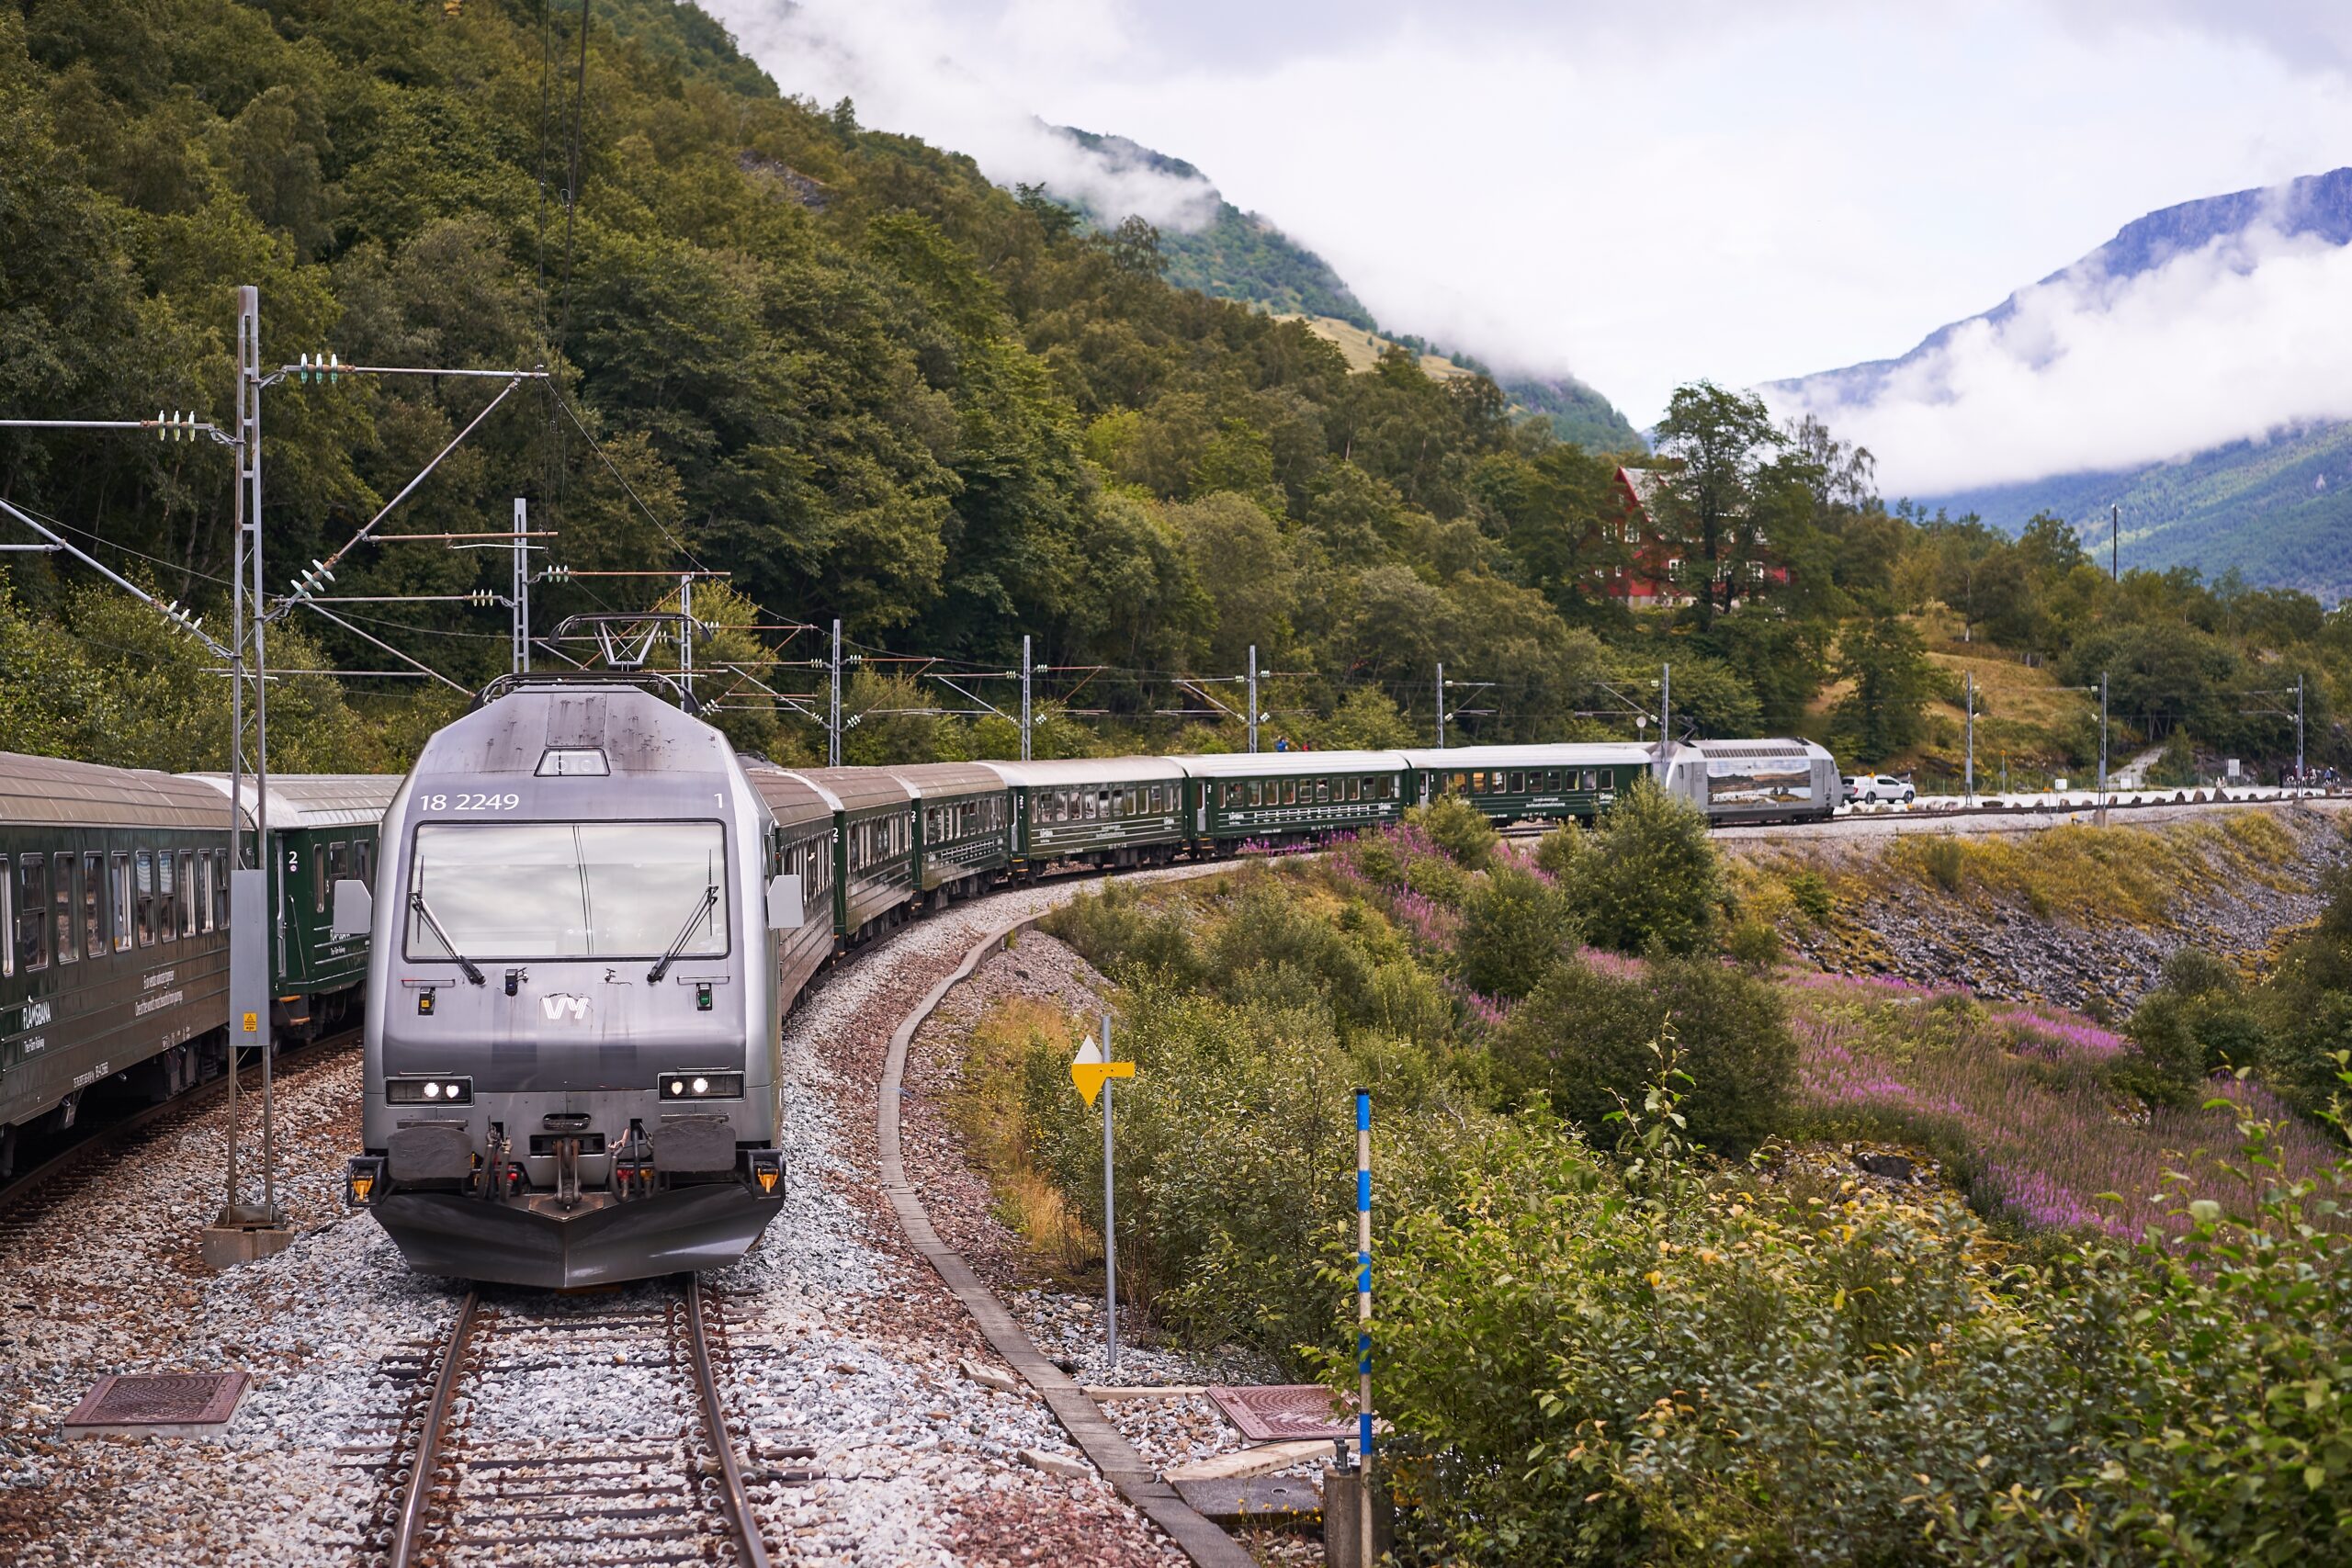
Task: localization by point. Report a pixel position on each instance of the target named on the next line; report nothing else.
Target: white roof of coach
(1231, 764)
(315, 800)
(1103, 770)
(1619, 753)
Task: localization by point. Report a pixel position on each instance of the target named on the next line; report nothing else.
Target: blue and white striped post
(1364, 1326)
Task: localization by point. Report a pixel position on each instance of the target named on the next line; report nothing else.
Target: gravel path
(841, 1340)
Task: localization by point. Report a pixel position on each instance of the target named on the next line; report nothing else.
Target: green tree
(1717, 441)
(1651, 880)
(1885, 713)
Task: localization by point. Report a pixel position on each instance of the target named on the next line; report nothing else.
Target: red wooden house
(1659, 578)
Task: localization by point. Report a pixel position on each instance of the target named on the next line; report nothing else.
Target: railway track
(18, 1213)
(575, 1430)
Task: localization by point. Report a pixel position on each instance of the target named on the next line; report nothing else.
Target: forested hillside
(841, 365)
(2278, 512)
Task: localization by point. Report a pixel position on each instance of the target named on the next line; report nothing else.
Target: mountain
(2276, 510)
(1243, 257)
(1236, 254)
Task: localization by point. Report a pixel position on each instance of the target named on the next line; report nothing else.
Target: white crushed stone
(840, 1340)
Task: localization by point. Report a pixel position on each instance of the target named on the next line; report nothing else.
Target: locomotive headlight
(702, 1085)
(429, 1091)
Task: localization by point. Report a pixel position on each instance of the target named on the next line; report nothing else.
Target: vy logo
(560, 1008)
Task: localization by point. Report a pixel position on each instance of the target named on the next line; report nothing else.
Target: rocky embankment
(1886, 920)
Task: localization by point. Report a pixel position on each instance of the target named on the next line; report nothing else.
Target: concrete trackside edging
(1202, 1541)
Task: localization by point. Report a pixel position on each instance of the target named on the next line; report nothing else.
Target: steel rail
(408, 1529)
(736, 1498)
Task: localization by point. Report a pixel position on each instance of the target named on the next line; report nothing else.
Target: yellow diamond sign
(1088, 1070)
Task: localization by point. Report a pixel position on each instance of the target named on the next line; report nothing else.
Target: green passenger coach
(1512, 784)
(114, 905)
(323, 830)
(1288, 798)
(1101, 811)
(873, 847)
(963, 828)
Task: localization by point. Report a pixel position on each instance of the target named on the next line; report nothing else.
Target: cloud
(922, 69)
(2239, 340)
(1636, 196)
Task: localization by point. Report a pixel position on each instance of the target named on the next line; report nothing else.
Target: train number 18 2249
(469, 802)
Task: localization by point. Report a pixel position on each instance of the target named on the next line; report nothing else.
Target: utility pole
(1025, 667)
(249, 457)
(1968, 779)
(2115, 543)
(521, 597)
(2102, 745)
(833, 723)
(2298, 732)
(1440, 704)
(1665, 718)
(1253, 698)
(686, 635)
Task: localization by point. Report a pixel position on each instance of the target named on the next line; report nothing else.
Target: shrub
(1585, 1040)
(1943, 862)
(1458, 827)
(1513, 928)
(1273, 948)
(1810, 892)
(1754, 945)
(1654, 880)
(1562, 852)
(1113, 931)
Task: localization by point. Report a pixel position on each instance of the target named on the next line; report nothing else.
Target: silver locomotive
(573, 1018)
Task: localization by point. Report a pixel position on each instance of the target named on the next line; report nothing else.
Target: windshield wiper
(416, 901)
(709, 897)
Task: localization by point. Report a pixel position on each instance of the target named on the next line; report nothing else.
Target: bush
(1563, 852)
(1271, 948)
(1458, 827)
(1113, 931)
(1754, 945)
(1587, 1040)
(1810, 892)
(1652, 880)
(1944, 862)
(1513, 929)
(1671, 1371)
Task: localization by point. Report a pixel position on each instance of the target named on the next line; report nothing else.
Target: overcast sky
(1645, 196)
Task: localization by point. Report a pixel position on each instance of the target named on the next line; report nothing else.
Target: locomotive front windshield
(549, 890)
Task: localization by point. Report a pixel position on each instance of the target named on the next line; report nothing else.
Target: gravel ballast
(840, 1339)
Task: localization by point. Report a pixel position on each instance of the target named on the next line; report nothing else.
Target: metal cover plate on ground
(1273, 1501)
(1274, 1413)
(158, 1405)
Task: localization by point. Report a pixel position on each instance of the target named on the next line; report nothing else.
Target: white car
(1867, 788)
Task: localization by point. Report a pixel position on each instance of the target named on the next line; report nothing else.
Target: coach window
(338, 870)
(188, 893)
(8, 927)
(94, 893)
(121, 891)
(156, 898)
(32, 914)
(146, 898)
(66, 866)
(221, 891)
